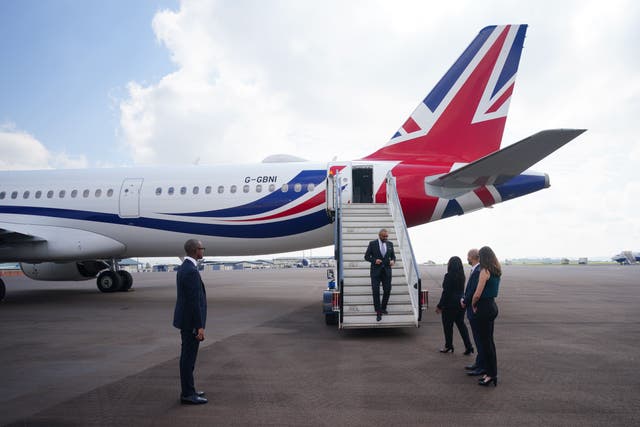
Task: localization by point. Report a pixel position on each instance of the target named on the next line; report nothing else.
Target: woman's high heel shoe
(446, 350)
(468, 351)
(488, 380)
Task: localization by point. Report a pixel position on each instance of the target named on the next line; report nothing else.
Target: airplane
(446, 158)
(627, 257)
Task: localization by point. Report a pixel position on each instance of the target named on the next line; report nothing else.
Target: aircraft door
(362, 177)
(342, 172)
(130, 198)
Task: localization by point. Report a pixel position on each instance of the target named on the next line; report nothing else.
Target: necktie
(383, 248)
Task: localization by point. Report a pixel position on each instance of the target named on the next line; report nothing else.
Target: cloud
(257, 78)
(254, 79)
(20, 150)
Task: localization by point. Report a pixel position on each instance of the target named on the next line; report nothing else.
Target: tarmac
(566, 336)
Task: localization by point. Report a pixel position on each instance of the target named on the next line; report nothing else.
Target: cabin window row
(234, 189)
(51, 194)
(170, 191)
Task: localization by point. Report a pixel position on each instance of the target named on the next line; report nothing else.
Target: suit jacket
(452, 291)
(472, 284)
(191, 303)
(373, 253)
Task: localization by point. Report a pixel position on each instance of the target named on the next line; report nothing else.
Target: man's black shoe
(200, 393)
(193, 400)
(476, 372)
(471, 367)
(378, 316)
(385, 312)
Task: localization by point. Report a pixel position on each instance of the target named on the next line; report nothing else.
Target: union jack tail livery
(463, 117)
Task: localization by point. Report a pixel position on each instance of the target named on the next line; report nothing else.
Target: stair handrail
(402, 234)
(337, 239)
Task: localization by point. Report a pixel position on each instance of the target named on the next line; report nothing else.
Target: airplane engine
(77, 270)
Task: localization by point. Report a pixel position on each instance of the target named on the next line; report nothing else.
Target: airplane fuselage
(234, 209)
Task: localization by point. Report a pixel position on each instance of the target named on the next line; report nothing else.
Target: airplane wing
(500, 166)
(33, 243)
(10, 237)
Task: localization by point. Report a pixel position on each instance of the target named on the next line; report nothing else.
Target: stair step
(364, 265)
(363, 271)
(362, 310)
(365, 206)
(368, 222)
(364, 299)
(360, 247)
(363, 236)
(366, 234)
(356, 254)
(396, 290)
(366, 216)
(400, 309)
(365, 281)
(368, 321)
(349, 242)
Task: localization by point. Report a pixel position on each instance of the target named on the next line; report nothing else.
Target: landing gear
(109, 281)
(127, 280)
(113, 279)
(3, 290)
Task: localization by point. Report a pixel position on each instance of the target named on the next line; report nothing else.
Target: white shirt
(383, 247)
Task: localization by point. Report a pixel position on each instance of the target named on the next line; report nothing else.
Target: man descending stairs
(381, 256)
(360, 224)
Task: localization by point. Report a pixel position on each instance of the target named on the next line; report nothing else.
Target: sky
(123, 83)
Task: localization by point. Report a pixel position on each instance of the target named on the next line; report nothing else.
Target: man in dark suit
(473, 258)
(381, 256)
(190, 316)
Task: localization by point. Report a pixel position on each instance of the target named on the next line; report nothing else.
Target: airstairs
(355, 225)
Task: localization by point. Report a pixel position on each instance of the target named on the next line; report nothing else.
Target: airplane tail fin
(463, 117)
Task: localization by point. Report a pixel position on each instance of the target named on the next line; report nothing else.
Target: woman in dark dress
(486, 311)
(449, 306)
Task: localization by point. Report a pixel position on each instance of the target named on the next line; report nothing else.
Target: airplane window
(207, 189)
(233, 188)
(38, 194)
(61, 194)
(272, 188)
(285, 188)
(183, 190)
(85, 193)
(310, 187)
(2, 194)
(49, 194)
(220, 189)
(110, 192)
(297, 187)
(25, 195)
(258, 188)
(14, 194)
(245, 188)
(158, 191)
(98, 192)
(74, 193)
(196, 190)
(170, 191)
